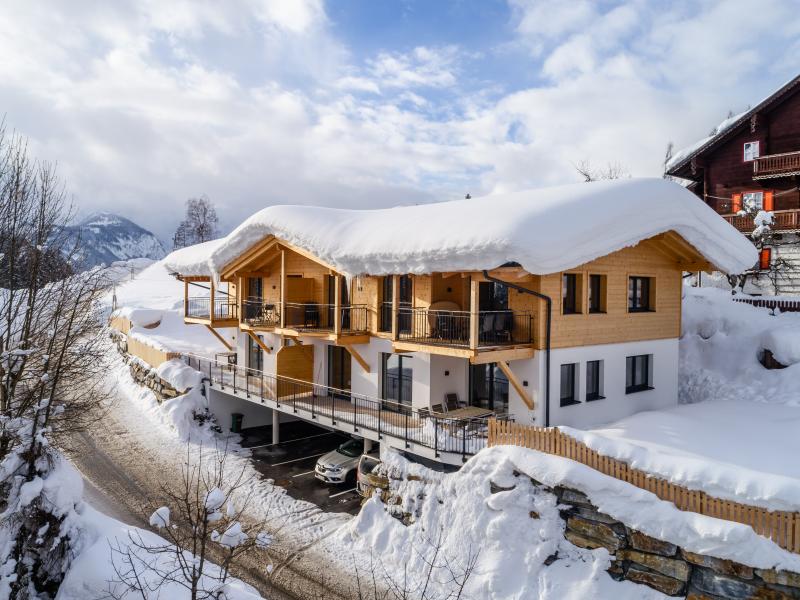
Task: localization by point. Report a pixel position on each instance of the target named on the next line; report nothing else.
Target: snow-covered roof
(544, 230)
(729, 124)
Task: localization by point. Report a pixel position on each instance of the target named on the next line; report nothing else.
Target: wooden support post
(211, 301)
(283, 289)
(185, 298)
(474, 317)
(337, 305)
(222, 340)
(240, 297)
(512, 378)
(359, 359)
(395, 306)
(258, 341)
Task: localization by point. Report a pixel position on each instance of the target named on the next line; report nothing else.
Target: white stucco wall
(616, 404)
(223, 405)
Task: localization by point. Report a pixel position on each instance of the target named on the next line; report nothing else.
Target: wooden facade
(350, 311)
(721, 172)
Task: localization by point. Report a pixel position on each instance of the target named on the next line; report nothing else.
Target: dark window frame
(597, 304)
(569, 294)
(572, 398)
(632, 383)
(594, 381)
(401, 401)
(645, 283)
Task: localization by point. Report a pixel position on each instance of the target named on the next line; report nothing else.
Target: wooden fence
(152, 356)
(781, 527)
(784, 304)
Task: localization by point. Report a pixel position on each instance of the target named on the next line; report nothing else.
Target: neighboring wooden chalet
(592, 341)
(753, 161)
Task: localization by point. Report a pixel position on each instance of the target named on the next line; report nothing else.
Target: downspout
(549, 307)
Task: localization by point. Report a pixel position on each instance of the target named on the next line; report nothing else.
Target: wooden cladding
(781, 527)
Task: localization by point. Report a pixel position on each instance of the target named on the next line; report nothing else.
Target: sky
(369, 103)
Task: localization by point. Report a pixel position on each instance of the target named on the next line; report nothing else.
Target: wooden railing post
(337, 305)
(395, 306)
(474, 317)
(283, 289)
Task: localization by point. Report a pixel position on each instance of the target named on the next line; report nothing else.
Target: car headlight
(336, 469)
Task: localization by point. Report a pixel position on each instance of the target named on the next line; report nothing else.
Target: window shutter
(764, 259)
(736, 203)
(769, 200)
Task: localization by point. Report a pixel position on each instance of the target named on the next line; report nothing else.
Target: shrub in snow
(160, 518)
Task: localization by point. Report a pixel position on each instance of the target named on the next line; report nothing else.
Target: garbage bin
(236, 422)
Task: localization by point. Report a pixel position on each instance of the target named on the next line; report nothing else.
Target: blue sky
(363, 103)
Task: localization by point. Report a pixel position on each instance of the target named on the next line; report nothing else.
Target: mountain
(107, 238)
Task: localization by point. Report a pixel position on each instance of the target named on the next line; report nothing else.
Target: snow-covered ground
(735, 435)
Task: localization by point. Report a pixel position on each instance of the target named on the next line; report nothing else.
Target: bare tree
(203, 530)
(52, 351)
(613, 170)
(199, 225)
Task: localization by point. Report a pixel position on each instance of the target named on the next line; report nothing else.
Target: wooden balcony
(454, 328)
(220, 311)
(785, 220)
(325, 319)
(776, 165)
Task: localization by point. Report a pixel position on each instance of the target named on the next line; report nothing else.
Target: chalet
(750, 163)
(412, 325)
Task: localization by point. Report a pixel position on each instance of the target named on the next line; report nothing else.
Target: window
(488, 387)
(753, 200)
(597, 293)
(569, 293)
(751, 151)
(594, 380)
(568, 384)
(640, 291)
(638, 373)
(764, 259)
(396, 379)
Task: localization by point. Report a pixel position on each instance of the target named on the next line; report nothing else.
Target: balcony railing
(452, 328)
(322, 317)
(784, 220)
(776, 165)
(200, 308)
(258, 313)
(464, 435)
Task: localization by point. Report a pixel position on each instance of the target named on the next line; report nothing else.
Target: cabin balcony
(776, 165)
(785, 220)
(258, 314)
(325, 319)
(221, 312)
(454, 328)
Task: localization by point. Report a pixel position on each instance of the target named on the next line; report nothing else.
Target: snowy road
(127, 456)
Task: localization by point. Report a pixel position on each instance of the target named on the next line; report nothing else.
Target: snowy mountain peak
(108, 237)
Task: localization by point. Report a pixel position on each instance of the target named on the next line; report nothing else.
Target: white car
(337, 465)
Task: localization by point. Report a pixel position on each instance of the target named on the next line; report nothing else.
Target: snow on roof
(544, 230)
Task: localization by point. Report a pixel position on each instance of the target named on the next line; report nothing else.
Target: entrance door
(339, 370)
(255, 356)
(488, 387)
(396, 378)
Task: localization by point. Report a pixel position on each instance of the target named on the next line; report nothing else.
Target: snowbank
(784, 343)
(735, 435)
(173, 335)
(140, 317)
(545, 230)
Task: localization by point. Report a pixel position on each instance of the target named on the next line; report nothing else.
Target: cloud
(144, 104)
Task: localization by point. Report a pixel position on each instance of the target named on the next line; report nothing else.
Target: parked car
(338, 465)
(370, 475)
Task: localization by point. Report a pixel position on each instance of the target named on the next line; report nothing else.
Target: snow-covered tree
(199, 225)
(203, 531)
(51, 351)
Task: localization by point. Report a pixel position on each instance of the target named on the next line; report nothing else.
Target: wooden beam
(211, 302)
(337, 306)
(395, 305)
(241, 260)
(258, 341)
(283, 289)
(474, 317)
(222, 340)
(506, 354)
(185, 297)
(512, 378)
(359, 359)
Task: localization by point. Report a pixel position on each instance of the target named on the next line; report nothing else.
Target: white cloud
(144, 104)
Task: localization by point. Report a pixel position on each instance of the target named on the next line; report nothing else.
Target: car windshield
(351, 448)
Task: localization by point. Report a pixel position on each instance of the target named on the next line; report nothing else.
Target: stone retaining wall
(665, 566)
(144, 374)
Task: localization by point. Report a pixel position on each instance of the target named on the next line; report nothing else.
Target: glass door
(406, 302)
(488, 388)
(396, 378)
(255, 356)
(339, 371)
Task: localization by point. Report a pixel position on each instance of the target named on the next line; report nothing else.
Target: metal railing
(420, 426)
(200, 308)
(776, 165)
(322, 317)
(258, 313)
(452, 328)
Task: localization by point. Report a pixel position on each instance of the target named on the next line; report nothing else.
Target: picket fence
(781, 527)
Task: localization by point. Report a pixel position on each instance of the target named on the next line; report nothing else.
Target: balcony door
(331, 301)
(495, 321)
(488, 387)
(404, 315)
(396, 381)
(339, 371)
(387, 287)
(255, 356)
